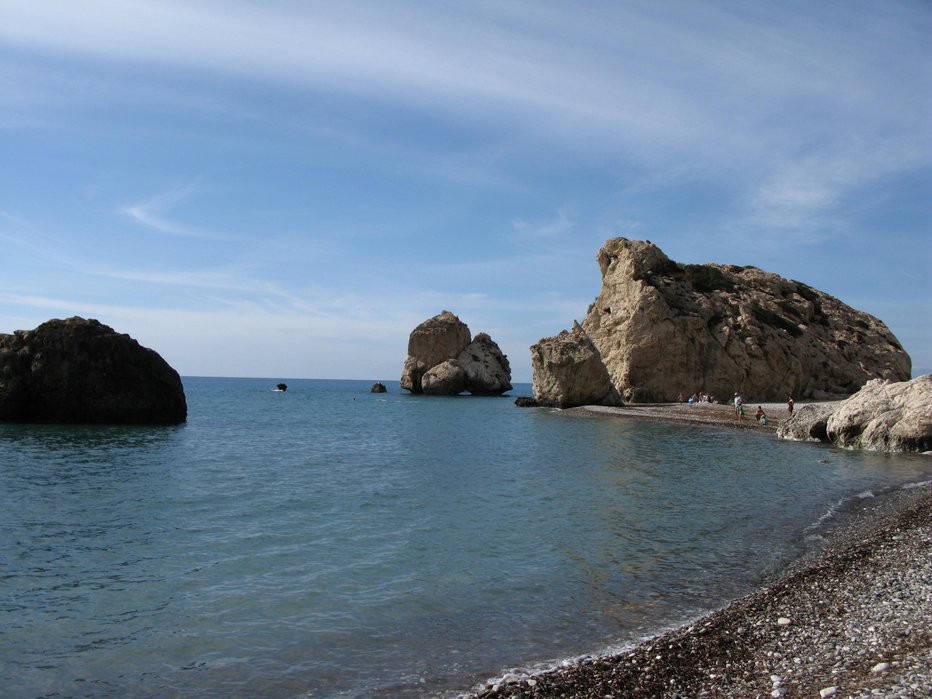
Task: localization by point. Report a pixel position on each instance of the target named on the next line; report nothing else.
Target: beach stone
(828, 692)
(661, 328)
(784, 621)
(880, 667)
(81, 371)
(443, 359)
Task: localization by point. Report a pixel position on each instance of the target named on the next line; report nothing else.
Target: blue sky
(286, 189)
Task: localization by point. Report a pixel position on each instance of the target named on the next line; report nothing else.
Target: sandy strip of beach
(719, 415)
(853, 620)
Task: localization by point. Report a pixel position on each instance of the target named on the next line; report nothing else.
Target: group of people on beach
(697, 398)
(759, 414)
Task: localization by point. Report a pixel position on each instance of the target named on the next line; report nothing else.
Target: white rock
(784, 621)
(828, 692)
(880, 667)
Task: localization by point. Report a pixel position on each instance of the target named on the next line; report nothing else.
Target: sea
(327, 541)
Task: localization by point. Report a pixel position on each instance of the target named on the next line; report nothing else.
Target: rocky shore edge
(849, 621)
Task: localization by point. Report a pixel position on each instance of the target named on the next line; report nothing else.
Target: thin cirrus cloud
(612, 75)
(154, 214)
(640, 77)
(471, 153)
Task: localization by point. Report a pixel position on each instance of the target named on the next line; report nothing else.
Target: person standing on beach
(739, 406)
(789, 405)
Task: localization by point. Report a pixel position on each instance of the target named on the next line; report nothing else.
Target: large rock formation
(444, 360)
(661, 328)
(882, 416)
(81, 371)
(568, 371)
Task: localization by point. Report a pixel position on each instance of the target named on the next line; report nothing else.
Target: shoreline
(711, 414)
(853, 616)
(850, 619)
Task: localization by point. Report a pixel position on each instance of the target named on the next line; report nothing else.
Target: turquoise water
(328, 541)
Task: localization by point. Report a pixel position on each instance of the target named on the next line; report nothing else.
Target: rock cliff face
(568, 371)
(444, 360)
(882, 416)
(81, 371)
(661, 327)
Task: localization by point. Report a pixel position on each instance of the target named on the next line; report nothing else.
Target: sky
(286, 188)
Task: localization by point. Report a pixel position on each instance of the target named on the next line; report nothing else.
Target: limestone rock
(431, 343)
(882, 416)
(568, 371)
(445, 379)
(444, 360)
(81, 371)
(661, 328)
(487, 371)
(885, 416)
(807, 424)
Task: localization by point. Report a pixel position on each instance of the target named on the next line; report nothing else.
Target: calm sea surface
(328, 541)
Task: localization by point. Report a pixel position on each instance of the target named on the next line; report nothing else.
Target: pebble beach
(851, 620)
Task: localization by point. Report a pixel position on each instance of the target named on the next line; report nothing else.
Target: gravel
(850, 621)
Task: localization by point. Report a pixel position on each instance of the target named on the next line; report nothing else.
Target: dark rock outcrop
(661, 328)
(444, 360)
(81, 371)
(378, 387)
(526, 402)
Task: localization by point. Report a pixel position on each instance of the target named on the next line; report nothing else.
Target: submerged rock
(81, 371)
(661, 328)
(444, 360)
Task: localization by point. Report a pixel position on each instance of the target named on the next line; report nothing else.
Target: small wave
(515, 675)
(918, 484)
(829, 514)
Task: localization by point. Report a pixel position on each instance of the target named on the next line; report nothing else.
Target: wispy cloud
(547, 230)
(154, 214)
